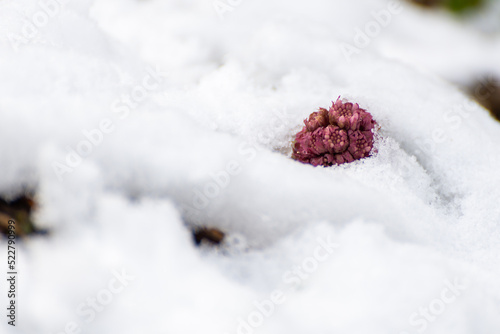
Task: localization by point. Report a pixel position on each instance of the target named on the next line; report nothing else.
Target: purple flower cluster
(335, 136)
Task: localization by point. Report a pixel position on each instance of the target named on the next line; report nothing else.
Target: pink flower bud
(342, 134)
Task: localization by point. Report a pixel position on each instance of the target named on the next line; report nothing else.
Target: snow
(189, 119)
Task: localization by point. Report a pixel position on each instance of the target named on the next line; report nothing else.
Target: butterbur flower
(317, 119)
(341, 134)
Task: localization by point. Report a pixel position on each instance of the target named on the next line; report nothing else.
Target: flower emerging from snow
(335, 136)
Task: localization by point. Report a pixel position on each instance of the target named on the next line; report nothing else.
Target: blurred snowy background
(132, 123)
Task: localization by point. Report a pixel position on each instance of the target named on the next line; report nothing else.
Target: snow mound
(135, 120)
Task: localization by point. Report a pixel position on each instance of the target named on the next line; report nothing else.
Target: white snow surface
(228, 95)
